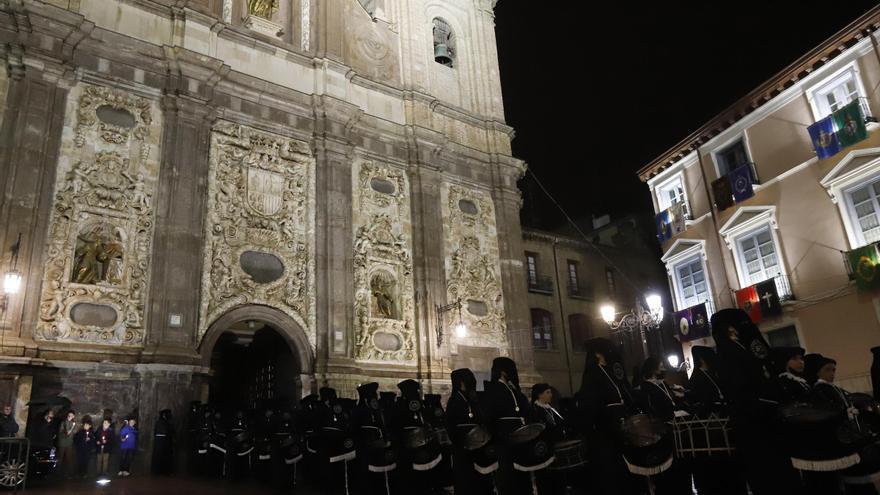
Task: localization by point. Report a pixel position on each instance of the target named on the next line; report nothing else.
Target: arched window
(580, 331)
(444, 43)
(542, 328)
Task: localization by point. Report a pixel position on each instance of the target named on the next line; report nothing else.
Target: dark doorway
(253, 364)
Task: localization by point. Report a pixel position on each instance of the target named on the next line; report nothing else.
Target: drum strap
(717, 388)
(470, 410)
(612, 383)
(512, 395)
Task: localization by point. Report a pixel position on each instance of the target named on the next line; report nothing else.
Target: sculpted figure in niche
(382, 288)
(262, 8)
(98, 256)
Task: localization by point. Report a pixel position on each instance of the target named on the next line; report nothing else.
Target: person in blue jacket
(127, 445)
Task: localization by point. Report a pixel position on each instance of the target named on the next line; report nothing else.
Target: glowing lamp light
(673, 360)
(12, 283)
(655, 304)
(461, 330)
(103, 482)
(607, 313)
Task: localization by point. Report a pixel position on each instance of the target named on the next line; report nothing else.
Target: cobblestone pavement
(148, 485)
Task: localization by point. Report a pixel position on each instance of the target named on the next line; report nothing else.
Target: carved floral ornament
(384, 308)
(473, 268)
(260, 200)
(101, 229)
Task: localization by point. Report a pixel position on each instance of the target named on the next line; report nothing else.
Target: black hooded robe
(463, 410)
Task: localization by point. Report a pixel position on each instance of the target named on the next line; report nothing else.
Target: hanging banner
(747, 300)
(677, 218)
(692, 323)
(824, 139)
(768, 296)
(664, 226)
(741, 183)
(850, 124)
(723, 193)
(864, 261)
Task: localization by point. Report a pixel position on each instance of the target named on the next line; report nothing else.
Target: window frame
(732, 232)
(852, 71)
(744, 138)
(542, 343)
(610, 281)
(849, 204)
(532, 268)
(572, 280)
(840, 180)
(741, 254)
(697, 250)
(664, 202)
(679, 286)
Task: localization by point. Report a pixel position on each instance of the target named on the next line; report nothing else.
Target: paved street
(148, 485)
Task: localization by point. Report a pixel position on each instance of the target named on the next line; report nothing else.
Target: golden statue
(383, 306)
(97, 257)
(262, 8)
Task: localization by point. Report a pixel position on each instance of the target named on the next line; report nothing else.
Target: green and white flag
(850, 124)
(865, 270)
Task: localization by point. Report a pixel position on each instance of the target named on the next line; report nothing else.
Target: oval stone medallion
(477, 308)
(262, 267)
(381, 185)
(115, 116)
(93, 315)
(468, 206)
(387, 341)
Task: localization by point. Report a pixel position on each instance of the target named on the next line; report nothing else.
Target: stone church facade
(176, 168)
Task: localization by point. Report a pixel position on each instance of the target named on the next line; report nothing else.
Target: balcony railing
(580, 291)
(540, 285)
(783, 287)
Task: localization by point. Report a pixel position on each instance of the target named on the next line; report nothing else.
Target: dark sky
(594, 95)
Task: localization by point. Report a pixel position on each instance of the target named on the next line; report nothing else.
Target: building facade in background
(570, 277)
(760, 207)
(243, 200)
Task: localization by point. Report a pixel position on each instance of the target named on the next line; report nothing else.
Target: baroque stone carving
(101, 230)
(262, 8)
(260, 199)
(473, 269)
(382, 266)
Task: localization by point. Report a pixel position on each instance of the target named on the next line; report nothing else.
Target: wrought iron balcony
(540, 285)
(580, 291)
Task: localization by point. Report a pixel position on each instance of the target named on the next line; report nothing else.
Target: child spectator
(104, 442)
(8, 426)
(128, 444)
(66, 453)
(84, 440)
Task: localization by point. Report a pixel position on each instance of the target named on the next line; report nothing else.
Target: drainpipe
(717, 235)
(565, 336)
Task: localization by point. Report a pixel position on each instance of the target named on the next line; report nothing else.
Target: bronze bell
(441, 54)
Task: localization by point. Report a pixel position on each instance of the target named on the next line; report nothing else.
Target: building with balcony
(569, 277)
(746, 199)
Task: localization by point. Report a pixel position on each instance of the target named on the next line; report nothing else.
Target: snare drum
(647, 445)
(819, 439)
(569, 454)
(422, 447)
(443, 437)
(696, 437)
(529, 451)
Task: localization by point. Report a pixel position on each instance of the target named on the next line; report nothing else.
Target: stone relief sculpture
(260, 199)
(100, 233)
(384, 308)
(262, 8)
(473, 270)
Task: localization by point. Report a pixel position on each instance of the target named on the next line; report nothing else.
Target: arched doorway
(256, 353)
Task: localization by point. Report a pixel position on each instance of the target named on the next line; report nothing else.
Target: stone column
(30, 140)
(179, 230)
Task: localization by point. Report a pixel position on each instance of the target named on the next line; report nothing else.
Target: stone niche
(259, 234)
(473, 267)
(96, 276)
(383, 284)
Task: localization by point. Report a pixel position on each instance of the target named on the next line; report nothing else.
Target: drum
(696, 436)
(338, 445)
(819, 439)
(290, 450)
(243, 443)
(569, 454)
(476, 437)
(422, 447)
(443, 437)
(647, 445)
(529, 451)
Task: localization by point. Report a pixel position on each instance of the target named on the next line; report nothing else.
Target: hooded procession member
(788, 371)
(704, 386)
(744, 366)
(604, 400)
(336, 446)
(420, 454)
(473, 461)
(163, 444)
(375, 456)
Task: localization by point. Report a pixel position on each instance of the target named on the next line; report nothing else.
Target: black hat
(649, 367)
(464, 376)
(327, 393)
(538, 389)
(779, 357)
(368, 390)
(506, 365)
(409, 388)
(603, 346)
(812, 364)
(703, 353)
(875, 350)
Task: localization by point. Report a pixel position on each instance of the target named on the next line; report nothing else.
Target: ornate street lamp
(638, 319)
(12, 278)
(460, 328)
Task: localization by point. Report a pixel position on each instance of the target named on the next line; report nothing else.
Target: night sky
(595, 95)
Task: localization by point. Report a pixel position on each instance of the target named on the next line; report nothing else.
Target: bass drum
(569, 454)
(647, 445)
(422, 449)
(819, 439)
(529, 450)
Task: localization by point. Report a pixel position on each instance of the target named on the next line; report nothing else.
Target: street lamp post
(637, 319)
(460, 329)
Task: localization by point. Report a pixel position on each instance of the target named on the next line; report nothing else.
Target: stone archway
(283, 324)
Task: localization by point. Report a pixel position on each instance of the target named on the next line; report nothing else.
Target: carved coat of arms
(264, 191)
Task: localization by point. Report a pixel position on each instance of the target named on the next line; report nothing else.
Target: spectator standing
(104, 445)
(128, 445)
(43, 432)
(66, 453)
(8, 426)
(84, 441)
